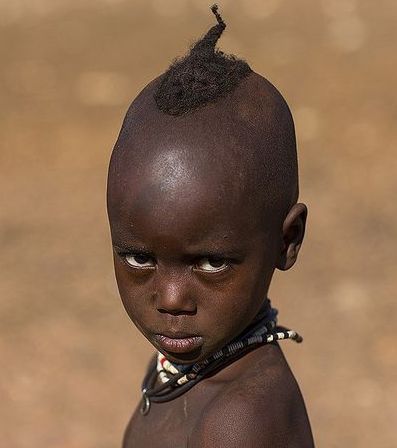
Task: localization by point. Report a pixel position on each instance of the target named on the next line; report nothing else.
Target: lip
(179, 342)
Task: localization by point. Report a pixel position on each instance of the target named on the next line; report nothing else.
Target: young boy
(202, 203)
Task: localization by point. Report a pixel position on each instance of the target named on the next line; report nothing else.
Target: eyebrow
(214, 251)
(131, 248)
(226, 252)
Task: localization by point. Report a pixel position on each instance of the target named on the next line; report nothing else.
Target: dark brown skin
(200, 218)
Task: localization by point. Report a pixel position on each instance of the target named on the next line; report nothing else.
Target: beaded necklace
(177, 379)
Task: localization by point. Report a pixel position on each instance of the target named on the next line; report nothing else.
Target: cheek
(256, 278)
(232, 310)
(254, 288)
(132, 294)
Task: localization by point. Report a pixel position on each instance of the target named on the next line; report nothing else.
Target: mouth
(179, 343)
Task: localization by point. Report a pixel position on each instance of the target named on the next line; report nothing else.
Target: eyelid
(148, 265)
(226, 262)
(123, 253)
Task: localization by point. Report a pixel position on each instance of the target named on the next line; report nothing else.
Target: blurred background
(71, 362)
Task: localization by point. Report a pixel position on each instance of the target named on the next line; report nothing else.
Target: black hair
(200, 77)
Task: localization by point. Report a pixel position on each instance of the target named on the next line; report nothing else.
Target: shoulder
(262, 410)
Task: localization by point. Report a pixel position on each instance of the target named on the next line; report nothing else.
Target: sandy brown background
(70, 361)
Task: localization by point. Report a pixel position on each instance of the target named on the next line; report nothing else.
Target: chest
(167, 425)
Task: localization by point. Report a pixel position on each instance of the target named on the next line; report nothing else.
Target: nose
(174, 294)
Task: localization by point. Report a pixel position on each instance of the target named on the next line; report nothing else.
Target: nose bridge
(173, 293)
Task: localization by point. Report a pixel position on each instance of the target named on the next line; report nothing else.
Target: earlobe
(292, 236)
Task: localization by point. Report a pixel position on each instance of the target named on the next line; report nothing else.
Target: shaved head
(211, 122)
(241, 145)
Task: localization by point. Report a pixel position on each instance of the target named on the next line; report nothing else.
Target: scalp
(245, 139)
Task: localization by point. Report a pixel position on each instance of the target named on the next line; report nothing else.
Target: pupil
(141, 259)
(216, 262)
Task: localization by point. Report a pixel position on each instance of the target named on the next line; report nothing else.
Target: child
(202, 204)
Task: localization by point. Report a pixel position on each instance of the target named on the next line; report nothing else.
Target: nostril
(178, 313)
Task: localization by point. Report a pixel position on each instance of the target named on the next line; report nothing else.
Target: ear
(293, 232)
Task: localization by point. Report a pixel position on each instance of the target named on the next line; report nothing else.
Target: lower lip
(179, 345)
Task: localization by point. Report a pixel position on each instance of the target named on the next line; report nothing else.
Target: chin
(185, 358)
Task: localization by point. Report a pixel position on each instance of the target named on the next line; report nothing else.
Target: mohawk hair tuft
(202, 76)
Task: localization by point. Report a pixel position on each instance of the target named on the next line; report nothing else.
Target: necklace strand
(175, 381)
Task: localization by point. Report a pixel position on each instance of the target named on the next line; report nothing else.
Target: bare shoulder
(263, 408)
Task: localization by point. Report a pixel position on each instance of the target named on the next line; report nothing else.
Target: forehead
(175, 193)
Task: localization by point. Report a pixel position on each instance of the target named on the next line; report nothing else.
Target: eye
(212, 264)
(139, 261)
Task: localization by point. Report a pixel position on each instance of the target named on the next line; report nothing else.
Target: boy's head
(202, 193)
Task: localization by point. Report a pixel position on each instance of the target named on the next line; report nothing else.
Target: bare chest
(167, 425)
